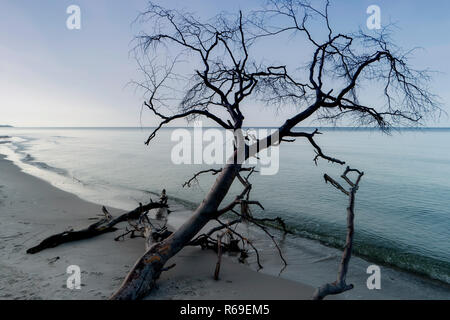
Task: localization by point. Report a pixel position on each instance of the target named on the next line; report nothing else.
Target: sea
(402, 212)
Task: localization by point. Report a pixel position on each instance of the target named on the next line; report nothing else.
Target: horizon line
(176, 127)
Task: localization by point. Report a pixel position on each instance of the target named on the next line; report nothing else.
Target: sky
(51, 76)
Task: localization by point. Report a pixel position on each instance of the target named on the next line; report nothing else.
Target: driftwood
(219, 255)
(340, 285)
(163, 211)
(104, 225)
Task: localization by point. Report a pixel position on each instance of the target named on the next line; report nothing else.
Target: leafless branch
(340, 284)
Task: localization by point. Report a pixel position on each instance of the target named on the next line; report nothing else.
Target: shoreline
(306, 271)
(386, 230)
(32, 209)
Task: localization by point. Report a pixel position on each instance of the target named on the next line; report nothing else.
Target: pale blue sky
(52, 76)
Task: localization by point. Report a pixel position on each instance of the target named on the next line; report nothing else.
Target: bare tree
(196, 68)
(225, 75)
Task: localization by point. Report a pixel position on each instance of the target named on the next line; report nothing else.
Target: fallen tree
(209, 69)
(225, 75)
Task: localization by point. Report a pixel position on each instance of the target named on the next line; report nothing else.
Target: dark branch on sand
(104, 225)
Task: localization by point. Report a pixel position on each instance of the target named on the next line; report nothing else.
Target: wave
(21, 150)
(371, 249)
(42, 165)
(390, 256)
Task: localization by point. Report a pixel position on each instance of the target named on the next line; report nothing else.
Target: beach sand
(32, 209)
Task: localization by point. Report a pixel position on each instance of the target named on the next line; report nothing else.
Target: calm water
(402, 209)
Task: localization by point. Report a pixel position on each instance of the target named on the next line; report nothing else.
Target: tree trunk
(148, 268)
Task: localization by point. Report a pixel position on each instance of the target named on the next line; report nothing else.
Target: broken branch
(102, 226)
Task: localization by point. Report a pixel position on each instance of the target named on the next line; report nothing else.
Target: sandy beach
(31, 209)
